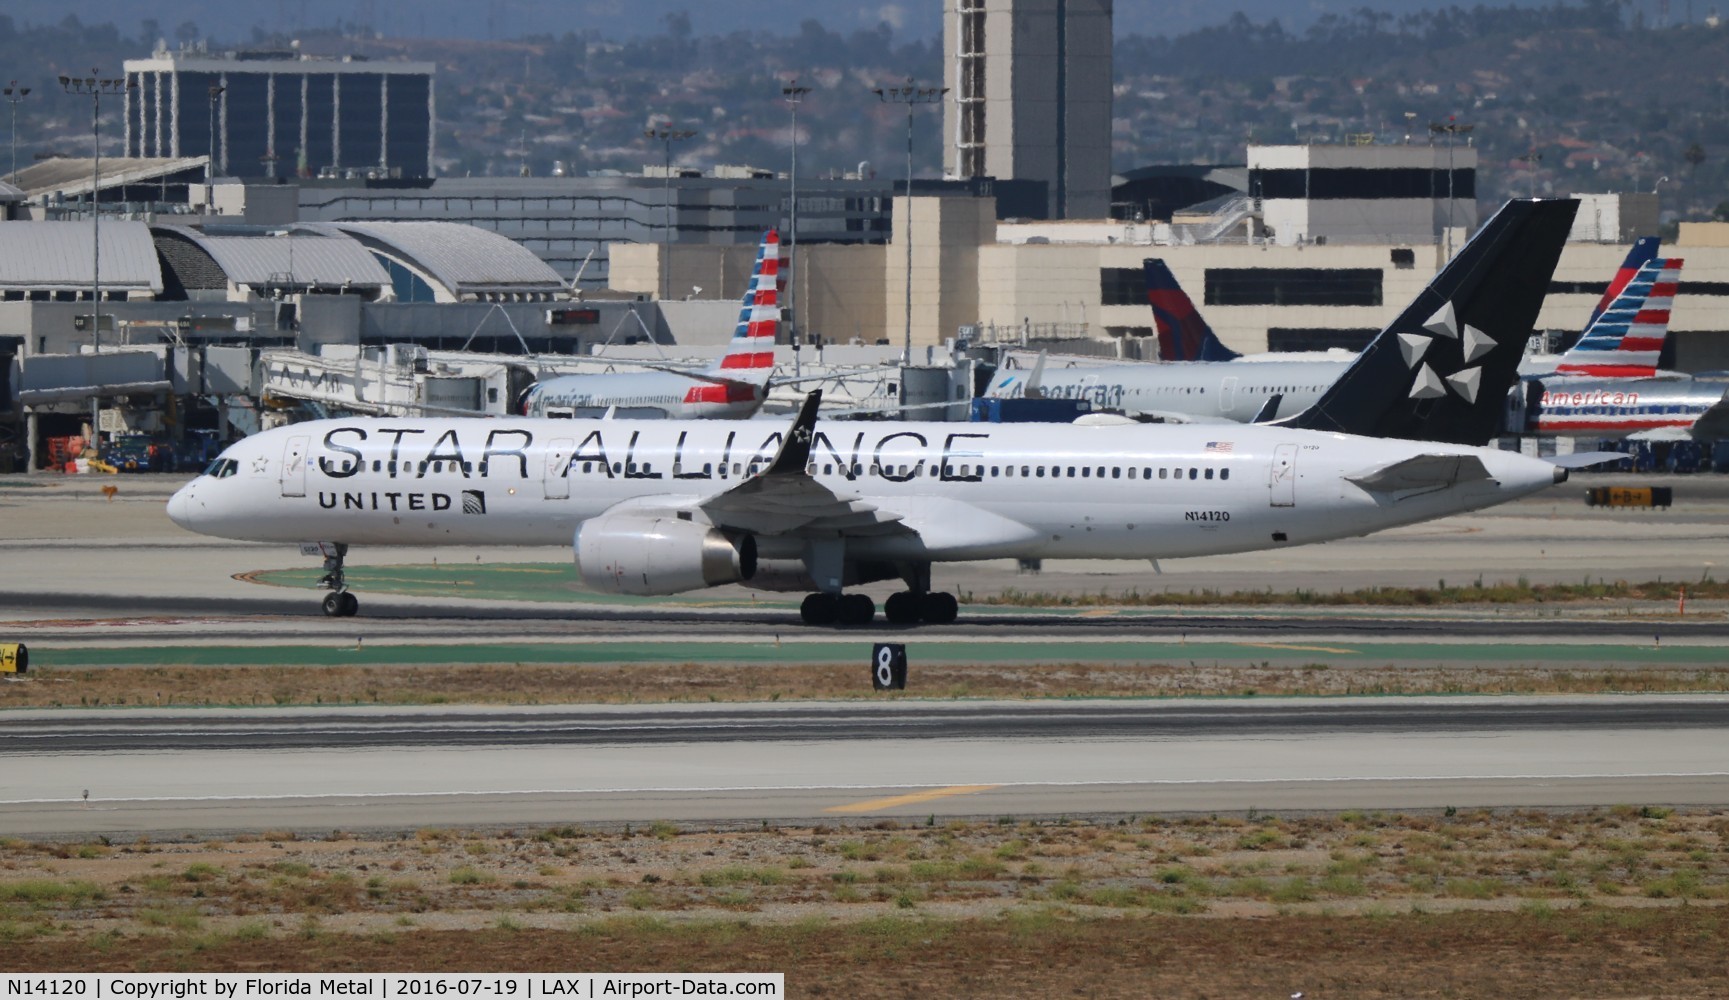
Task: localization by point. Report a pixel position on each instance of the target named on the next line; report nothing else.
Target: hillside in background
(496, 20)
(1568, 98)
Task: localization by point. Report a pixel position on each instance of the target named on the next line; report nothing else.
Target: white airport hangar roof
(57, 256)
(468, 261)
(322, 260)
(9, 192)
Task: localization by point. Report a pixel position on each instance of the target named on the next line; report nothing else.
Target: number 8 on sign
(889, 666)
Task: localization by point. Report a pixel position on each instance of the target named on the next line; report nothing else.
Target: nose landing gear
(339, 603)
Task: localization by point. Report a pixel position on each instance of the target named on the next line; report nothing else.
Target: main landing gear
(339, 603)
(902, 608)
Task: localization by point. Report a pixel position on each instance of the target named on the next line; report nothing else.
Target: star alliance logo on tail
(473, 502)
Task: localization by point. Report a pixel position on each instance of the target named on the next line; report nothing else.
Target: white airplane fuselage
(965, 491)
(1201, 391)
(667, 394)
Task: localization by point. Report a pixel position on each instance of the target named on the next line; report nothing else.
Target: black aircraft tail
(1442, 370)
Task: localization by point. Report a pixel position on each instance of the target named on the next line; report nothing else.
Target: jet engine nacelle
(652, 556)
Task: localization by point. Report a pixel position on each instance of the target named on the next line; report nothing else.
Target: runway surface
(89, 558)
(174, 772)
(100, 574)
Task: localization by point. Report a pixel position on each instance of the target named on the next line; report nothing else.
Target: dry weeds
(1616, 902)
(544, 684)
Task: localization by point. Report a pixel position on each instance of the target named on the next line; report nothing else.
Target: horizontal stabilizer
(1586, 459)
(1422, 474)
(1713, 424)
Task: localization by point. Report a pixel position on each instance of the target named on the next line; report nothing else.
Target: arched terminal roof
(462, 263)
(298, 259)
(59, 257)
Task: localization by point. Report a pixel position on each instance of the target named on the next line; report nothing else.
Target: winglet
(1032, 389)
(1269, 410)
(794, 452)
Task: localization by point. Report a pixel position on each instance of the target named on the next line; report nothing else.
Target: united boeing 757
(668, 506)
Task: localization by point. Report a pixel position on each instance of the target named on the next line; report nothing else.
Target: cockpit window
(222, 468)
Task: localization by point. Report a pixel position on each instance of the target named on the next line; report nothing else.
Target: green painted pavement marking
(559, 583)
(546, 582)
(1597, 656)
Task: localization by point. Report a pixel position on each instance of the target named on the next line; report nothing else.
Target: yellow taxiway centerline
(1300, 649)
(913, 798)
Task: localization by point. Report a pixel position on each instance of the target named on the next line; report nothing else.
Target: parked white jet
(733, 388)
(661, 507)
(1210, 383)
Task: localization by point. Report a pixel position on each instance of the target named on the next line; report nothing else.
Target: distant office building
(281, 114)
(1366, 193)
(1030, 97)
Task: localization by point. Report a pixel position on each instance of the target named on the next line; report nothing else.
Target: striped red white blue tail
(741, 374)
(1644, 249)
(752, 347)
(1626, 339)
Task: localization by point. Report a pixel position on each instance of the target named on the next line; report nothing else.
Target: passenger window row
(967, 471)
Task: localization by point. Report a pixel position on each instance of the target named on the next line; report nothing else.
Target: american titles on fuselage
(1590, 397)
(630, 453)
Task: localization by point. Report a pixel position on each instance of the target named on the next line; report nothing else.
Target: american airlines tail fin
(742, 373)
(1441, 371)
(1183, 334)
(1627, 339)
(1644, 249)
(750, 356)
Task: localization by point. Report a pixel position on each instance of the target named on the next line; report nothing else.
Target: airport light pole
(15, 96)
(216, 90)
(666, 137)
(96, 86)
(911, 96)
(1451, 128)
(1531, 160)
(792, 93)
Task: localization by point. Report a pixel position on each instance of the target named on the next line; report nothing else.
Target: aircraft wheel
(939, 608)
(857, 609)
(333, 605)
(820, 609)
(902, 608)
(350, 605)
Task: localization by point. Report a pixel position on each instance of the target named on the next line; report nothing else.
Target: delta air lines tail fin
(1441, 371)
(1183, 334)
(1627, 339)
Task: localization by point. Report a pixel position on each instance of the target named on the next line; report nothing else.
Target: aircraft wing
(784, 499)
(1174, 417)
(1420, 474)
(1714, 422)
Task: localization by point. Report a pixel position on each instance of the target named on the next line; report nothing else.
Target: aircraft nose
(180, 507)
